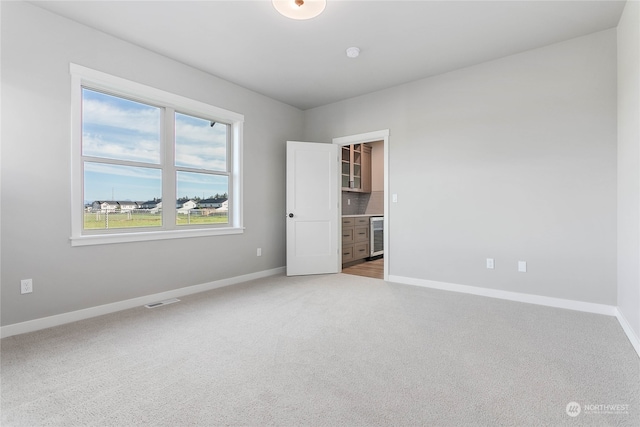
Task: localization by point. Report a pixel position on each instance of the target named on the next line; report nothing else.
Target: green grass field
(93, 221)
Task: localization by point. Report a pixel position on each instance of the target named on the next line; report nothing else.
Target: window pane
(116, 128)
(200, 143)
(121, 196)
(202, 199)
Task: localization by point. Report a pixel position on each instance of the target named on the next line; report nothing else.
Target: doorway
(380, 262)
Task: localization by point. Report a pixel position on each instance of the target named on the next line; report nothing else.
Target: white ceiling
(303, 63)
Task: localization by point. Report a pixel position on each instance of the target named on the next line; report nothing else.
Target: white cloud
(201, 178)
(205, 133)
(144, 150)
(201, 146)
(120, 129)
(145, 119)
(124, 171)
(194, 159)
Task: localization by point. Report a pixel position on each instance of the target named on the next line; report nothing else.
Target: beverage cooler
(377, 235)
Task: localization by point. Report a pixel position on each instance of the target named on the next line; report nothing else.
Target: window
(150, 165)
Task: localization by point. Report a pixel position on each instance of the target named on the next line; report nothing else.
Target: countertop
(353, 216)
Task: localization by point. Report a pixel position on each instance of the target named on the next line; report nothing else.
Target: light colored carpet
(333, 350)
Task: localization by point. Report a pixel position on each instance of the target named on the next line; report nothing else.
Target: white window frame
(97, 80)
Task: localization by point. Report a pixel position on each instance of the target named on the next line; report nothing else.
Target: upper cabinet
(356, 168)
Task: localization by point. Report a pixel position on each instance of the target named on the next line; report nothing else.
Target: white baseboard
(73, 316)
(61, 319)
(588, 307)
(628, 330)
(608, 310)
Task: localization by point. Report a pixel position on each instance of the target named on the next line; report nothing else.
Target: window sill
(106, 239)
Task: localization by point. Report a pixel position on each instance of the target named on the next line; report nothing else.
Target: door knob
(290, 215)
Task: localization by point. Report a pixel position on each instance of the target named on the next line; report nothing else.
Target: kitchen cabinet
(355, 238)
(356, 168)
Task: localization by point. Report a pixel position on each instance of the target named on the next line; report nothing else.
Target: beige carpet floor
(334, 350)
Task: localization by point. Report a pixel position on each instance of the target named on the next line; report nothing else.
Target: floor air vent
(161, 303)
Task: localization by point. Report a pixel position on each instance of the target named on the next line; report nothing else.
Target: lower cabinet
(355, 238)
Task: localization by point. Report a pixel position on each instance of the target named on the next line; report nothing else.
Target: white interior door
(312, 208)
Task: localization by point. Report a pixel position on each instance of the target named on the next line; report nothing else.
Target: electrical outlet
(26, 286)
(259, 252)
(490, 263)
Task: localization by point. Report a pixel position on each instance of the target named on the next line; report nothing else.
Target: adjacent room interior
(489, 243)
(362, 191)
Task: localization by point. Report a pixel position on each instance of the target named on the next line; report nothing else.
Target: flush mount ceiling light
(300, 9)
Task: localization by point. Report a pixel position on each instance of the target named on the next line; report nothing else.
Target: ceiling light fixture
(353, 52)
(300, 9)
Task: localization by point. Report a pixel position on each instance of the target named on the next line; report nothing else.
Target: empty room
(320, 213)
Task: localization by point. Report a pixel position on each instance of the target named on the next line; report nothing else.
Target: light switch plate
(490, 263)
(522, 266)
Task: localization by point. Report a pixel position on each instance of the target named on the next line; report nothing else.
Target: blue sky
(119, 129)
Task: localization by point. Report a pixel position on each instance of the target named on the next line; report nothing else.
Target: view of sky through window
(116, 128)
(127, 131)
(115, 182)
(200, 143)
(210, 184)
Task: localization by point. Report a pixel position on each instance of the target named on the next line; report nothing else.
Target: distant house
(149, 204)
(104, 207)
(211, 203)
(224, 207)
(128, 206)
(156, 209)
(112, 206)
(187, 207)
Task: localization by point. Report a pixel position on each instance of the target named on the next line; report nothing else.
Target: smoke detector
(353, 52)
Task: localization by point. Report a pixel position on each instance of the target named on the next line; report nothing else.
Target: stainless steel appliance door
(377, 235)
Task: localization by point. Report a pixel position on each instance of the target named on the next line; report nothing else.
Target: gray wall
(377, 166)
(513, 159)
(36, 50)
(629, 165)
